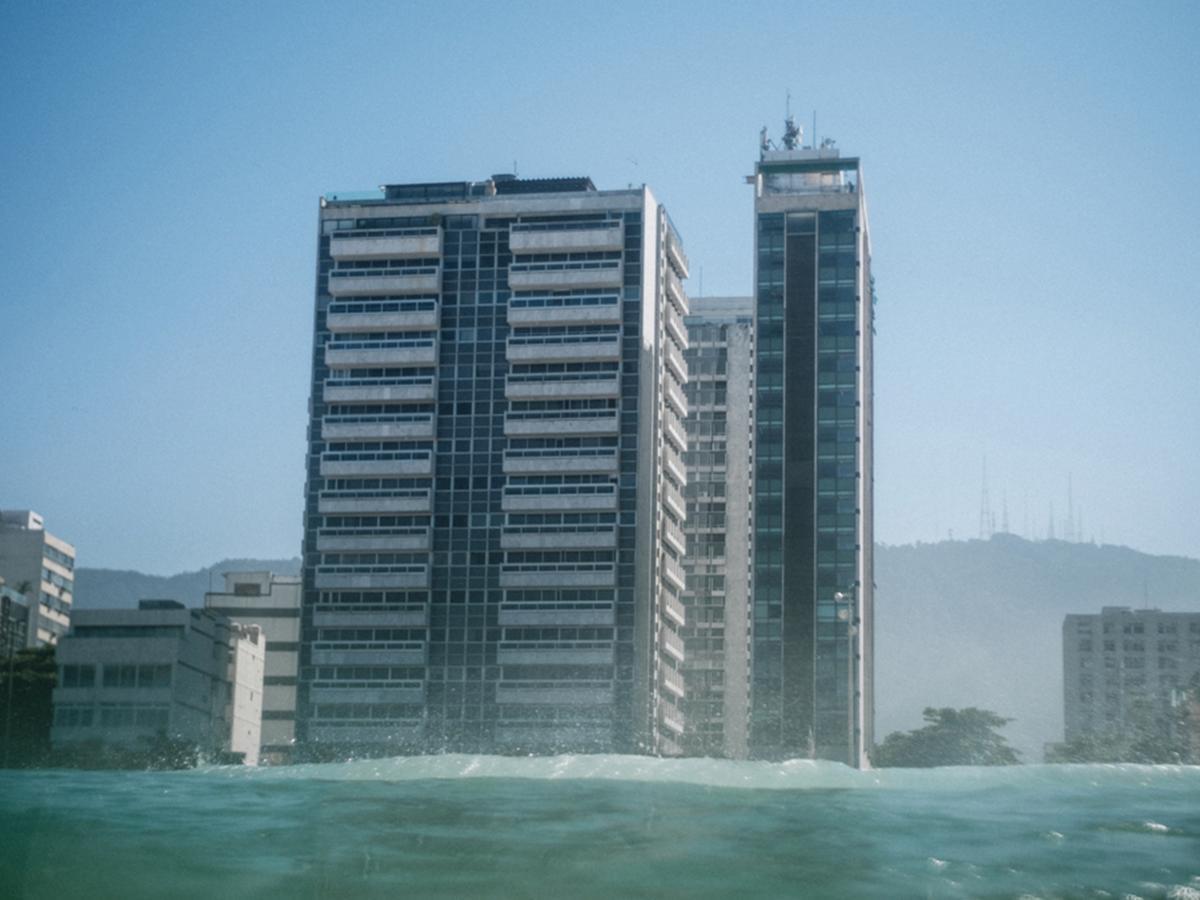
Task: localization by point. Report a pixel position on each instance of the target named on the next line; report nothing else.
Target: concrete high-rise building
(1126, 671)
(272, 602)
(127, 677)
(494, 524)
(720, 358)
(31, 555)
(813, 589)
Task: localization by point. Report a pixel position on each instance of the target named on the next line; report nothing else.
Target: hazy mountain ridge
(115, 588)
(958, 623)
(979, 623)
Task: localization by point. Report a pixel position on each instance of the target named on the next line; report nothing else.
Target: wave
(794, 774)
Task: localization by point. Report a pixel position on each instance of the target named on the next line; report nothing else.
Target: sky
(1030, 172)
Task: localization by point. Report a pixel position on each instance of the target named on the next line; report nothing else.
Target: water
(602, 826)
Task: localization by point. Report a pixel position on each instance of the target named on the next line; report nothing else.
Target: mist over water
(455, 825)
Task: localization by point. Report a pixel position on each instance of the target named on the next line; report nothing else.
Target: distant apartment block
(272, 602)
(31, 555)
(493, 550)
(813, 579)
(14, 619)
(1124, 668)
(720, 420)
(127, 677)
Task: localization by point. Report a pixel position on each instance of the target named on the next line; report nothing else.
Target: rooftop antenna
(985, 508)
(1069, 525)
(792, 133)
(1004, 517)
(814, 134)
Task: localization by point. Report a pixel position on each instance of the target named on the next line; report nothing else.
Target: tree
(952, 737)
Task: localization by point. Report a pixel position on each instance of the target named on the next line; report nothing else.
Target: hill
(114, 588)
(979, 623)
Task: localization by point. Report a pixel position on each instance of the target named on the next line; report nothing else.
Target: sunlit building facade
(720, 359)
(495, 486)
(813, 588)
(44, 565)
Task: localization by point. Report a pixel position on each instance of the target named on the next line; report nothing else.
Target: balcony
(550, 425)
(418, 245)
(563, 276)
(672, 720)
(555, 656)
(562, 617)
(675, 291)
(673, 359)
(672, 681)
(420, 503)
(382, 467)
(674, 610)
(676, 255)
(674, 536)
(414, 580)
(606, 502)
(382, 354)
(605, 539)
(558, 463)
(367, 695)
(350, 323)
(606, 314)
(552, 389)
(413, 392)
(567, 350)
(371, 282)
(574, 696)
(336, 543)
(382, 656)
(383, 429)
(557, 578)
(401, 618)
(674, 325)
(674, 500)
(673, 572)
(547, 239)
(321, 732)
(673, 430)
(675, 396)
(674, 463)
(671, 643)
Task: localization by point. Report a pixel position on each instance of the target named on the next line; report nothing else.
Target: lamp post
(847, 611)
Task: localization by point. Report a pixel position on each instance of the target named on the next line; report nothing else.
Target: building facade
(720, 420)
(1126, 671)
(14, 620)
(29, 554)
(272, 602)
(494, 519)
(813, 588)
(127, 677)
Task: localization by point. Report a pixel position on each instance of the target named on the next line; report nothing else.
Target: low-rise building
(271, 602)
(129, 677)
(1126, 670)
(31, 556)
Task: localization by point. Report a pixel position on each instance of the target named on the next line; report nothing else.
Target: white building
(29, 554)
(272, 602)
(130, 676)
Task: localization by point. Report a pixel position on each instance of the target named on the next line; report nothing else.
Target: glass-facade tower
(494, 503)
(813, 589)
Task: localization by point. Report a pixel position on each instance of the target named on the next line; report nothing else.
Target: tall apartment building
(29, 554)
(129, 676)
(494, 516)
(1126, 669)
(720, 418)
(272, 602)
(813, 563)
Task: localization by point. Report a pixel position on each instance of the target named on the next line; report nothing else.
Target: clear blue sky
(1033, 188)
